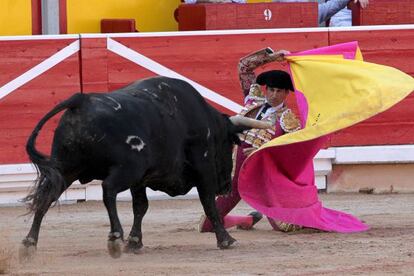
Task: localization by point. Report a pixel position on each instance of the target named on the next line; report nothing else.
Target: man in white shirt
(343, 18)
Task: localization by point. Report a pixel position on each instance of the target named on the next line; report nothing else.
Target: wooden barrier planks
(249, 16)
(22, 108)
(94, 64)
(210, 60)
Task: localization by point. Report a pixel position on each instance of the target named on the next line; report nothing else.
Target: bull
(157, 132)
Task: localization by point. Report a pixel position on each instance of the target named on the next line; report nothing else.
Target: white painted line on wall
(210, 32)
(38, 37)
(394, 154)
(159, 69)
(39, 69)
(373, 28)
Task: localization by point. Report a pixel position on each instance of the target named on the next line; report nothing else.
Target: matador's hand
(280, 55)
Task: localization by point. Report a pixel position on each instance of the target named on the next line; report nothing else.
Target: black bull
(158, 133)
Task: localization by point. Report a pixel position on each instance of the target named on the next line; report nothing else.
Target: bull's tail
(50, 183)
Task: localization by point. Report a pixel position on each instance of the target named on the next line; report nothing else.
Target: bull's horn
(248, 122)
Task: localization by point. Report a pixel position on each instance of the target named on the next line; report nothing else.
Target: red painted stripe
(36, 17)
(63, 26)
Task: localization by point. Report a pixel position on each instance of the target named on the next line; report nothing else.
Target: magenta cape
(279, 181)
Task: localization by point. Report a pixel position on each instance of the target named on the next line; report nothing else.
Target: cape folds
(334, 89)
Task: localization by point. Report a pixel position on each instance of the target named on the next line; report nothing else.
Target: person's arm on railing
(330, 8)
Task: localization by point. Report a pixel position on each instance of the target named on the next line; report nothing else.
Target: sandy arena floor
(73, 242)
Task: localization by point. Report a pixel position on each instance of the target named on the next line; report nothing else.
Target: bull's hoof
(115, 243)
(134, 244)
(226, 244)
(27, 250)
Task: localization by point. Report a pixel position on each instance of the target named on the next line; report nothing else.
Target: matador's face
(276, 96)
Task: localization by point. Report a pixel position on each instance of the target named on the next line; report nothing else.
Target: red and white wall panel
(38, 72)
(35, 74)
(207, 59)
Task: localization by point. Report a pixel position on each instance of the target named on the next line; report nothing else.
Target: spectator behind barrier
(343, 18)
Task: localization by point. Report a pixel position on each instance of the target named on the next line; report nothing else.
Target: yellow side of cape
(342, 92)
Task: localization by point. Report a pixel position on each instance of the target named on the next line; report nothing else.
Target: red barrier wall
(208, 58)
(22, 109)
(94, 69)
(252, 16)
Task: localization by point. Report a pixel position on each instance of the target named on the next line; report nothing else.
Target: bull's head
(236, 125)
